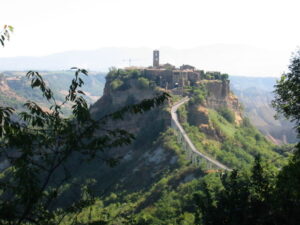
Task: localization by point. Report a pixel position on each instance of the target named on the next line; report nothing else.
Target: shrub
(199, 94)
(115, 84)
(227, 114)
(143, 83)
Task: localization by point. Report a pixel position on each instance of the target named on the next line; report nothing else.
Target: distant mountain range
(232, 59)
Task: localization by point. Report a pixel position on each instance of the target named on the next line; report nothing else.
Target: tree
(266, 197)
(38, 146)
(287, 102)
(243, 200)
(287, 92)
(227, 114)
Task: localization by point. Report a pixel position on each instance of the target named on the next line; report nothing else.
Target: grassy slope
(144, 191)
(168, 197)
(169, 200)
(236, 146)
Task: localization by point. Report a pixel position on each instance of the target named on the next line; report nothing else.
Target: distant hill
(15, 88)
(256, 95)
(232, 59)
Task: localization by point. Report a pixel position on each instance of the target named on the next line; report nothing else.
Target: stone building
(155, 58)
(187, 67)
(167, 76)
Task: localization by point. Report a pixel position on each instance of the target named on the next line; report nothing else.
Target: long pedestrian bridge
(196, 157)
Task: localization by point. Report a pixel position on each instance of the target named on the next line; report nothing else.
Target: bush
(143, 83)
(246, 122)
(115, 84)
(199, 94)
(227, 114)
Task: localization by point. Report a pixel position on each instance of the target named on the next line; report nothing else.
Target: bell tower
(155, 58)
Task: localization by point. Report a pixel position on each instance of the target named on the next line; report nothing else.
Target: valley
(198, 134)
(156, 179)
(135, 112)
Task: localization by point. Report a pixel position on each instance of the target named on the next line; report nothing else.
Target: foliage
(288, 193)
(40, 145)
(143, 82)
(198, 93)
(42, 148)
(237, 146)
(115, 84)
(265, 197)
(182, 114)
(168, 194)
(5, 34)
(121, 79)
(287, 102)
(243, 200)
(227, 114)
(215, 76)
(169, 142)
(287, 92)
(261, 197)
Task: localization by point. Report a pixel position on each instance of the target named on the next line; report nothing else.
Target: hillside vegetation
(154, 182)
(15, 88)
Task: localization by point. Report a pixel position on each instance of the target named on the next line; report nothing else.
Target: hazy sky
(48, 26)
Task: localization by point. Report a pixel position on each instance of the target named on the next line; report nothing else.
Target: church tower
(155, 58)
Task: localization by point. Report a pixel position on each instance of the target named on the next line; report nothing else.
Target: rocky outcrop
(218, 96)
(198, 115)
(145, 161)
(114, 99)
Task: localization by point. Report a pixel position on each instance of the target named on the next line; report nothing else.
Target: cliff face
(218, 97)
(131, 92)
(146, 160)
(115, 98)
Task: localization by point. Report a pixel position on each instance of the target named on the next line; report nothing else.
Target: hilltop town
(169, 77)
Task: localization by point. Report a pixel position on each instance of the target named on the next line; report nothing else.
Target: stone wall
(219, 95)
(173, 78)
(162, 77)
